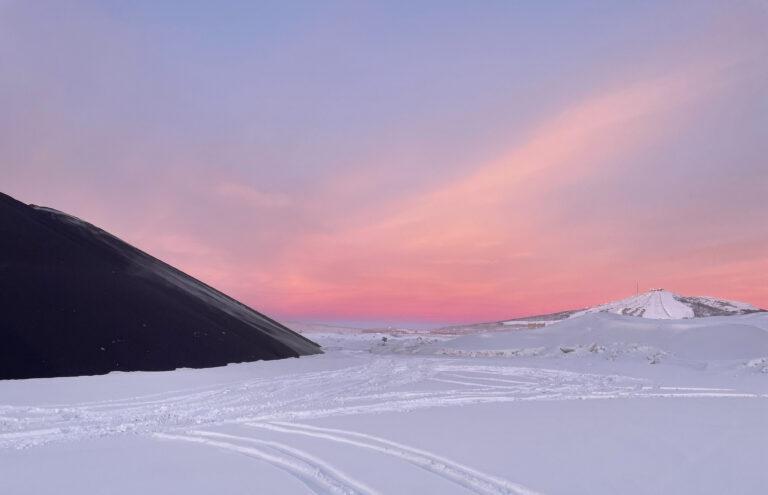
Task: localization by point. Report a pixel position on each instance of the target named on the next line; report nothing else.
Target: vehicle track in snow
(379, 384)
(316, 474)
(319, 467)
(467, 477)
(657, 303)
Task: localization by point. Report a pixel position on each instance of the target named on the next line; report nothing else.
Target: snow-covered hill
(660, 304)
(657, 304)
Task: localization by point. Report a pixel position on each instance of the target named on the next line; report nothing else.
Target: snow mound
(656, 304)
(741, 338)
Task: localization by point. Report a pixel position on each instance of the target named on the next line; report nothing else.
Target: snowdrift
(723, 338)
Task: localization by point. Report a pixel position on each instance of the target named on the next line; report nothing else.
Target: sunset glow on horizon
(333, 163)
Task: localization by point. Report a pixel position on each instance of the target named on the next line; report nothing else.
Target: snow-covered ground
(599, 404)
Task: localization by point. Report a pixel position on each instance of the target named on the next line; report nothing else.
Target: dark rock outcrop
(75, 300)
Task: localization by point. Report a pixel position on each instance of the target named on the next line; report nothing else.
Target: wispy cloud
(249, 196)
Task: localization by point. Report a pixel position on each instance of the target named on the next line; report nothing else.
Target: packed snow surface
(596, 404)
(656, 304)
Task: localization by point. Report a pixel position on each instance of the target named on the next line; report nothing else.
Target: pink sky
(334, 177)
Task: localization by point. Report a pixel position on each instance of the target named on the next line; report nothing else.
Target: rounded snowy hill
(660, 304)
(656, 304)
